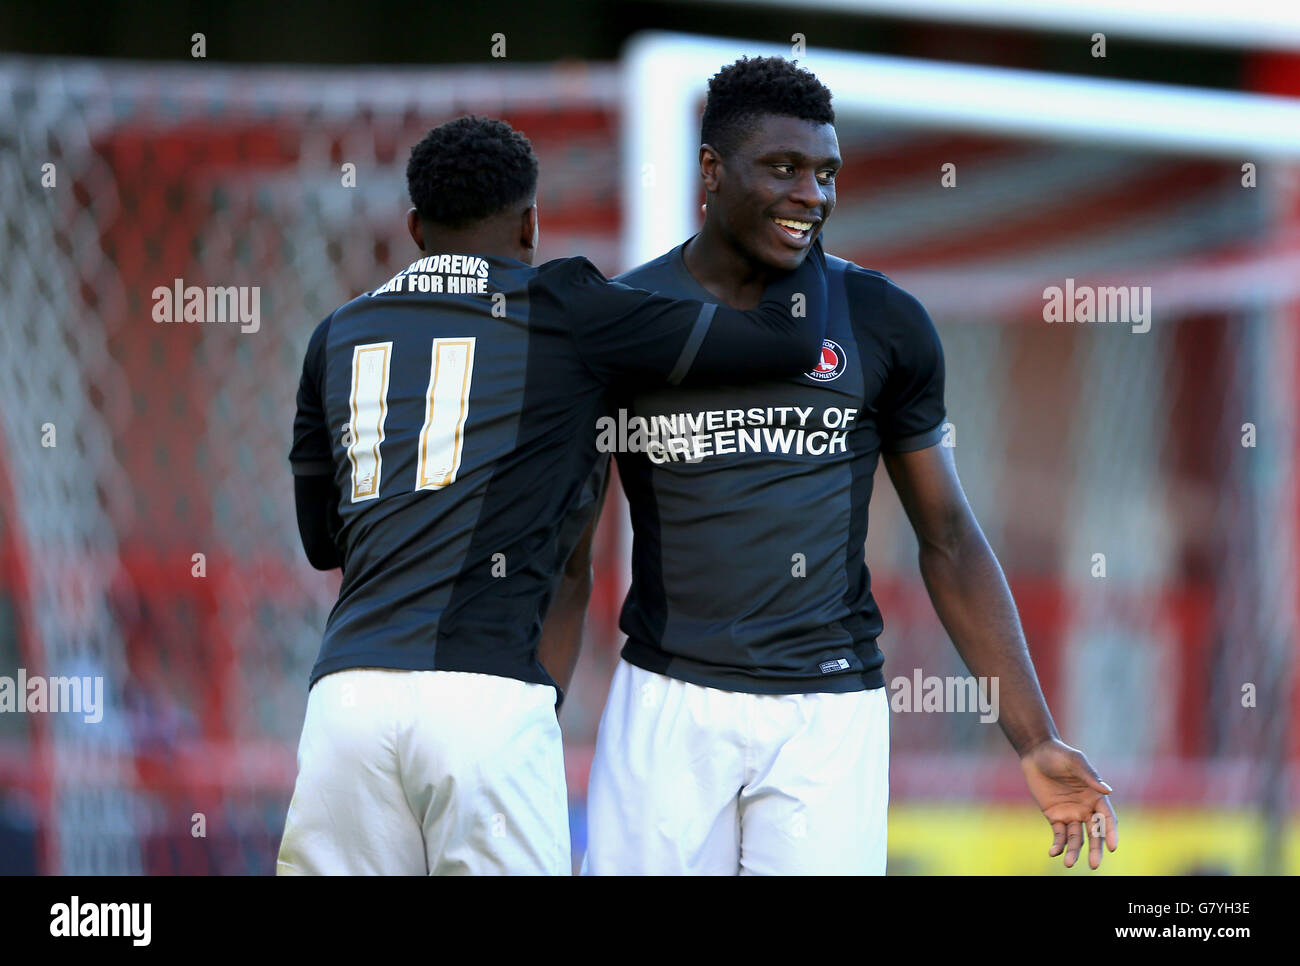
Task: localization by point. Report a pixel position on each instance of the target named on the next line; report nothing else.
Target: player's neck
(727, 273)
(494, 244)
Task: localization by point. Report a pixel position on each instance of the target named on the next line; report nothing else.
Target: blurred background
(1172, 452)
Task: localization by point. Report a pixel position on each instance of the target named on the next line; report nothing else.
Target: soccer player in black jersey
(746, 729)
(441, 446)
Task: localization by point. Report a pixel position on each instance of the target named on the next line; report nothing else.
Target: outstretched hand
(1072, 796)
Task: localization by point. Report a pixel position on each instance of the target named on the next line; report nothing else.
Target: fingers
(1073, 843)
(1058, 839)
(1102, 827)
(1096, 784)
(1090, 775)
(1112, 825)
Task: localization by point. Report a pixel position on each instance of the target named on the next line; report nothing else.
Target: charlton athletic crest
(831, 365)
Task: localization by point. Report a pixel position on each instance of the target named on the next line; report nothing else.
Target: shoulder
(322, 331)
(649, 275)
(876, 297)
(339, 319)
(566, 284)
(575, 269)
(320, 335)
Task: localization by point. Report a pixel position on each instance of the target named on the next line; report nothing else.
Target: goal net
(147, 529)
(147, 534)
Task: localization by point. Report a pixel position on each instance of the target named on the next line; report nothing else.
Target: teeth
(798, 225)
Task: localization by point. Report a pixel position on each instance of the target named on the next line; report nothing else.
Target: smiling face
(771, 196)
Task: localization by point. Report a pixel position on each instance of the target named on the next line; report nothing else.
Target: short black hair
(469, 169)
(742, 92)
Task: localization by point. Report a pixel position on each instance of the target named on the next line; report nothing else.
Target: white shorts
(428, 772)
(689, 780)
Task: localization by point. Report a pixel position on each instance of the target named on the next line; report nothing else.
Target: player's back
(453, 398)
(455, 408)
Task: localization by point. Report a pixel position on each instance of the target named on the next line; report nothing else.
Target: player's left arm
(316, 502)
(966, 584)
(974, 603)
(315, 496)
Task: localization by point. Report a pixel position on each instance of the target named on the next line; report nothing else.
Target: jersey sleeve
(623, 333)
(311, 453)
(911, 411)
(782, 337)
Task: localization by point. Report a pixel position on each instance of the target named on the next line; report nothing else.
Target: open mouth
(798, 230)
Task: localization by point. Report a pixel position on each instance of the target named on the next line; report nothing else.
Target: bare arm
(974, 603)
(968, 590)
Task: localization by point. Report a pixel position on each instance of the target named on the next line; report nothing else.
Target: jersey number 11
(446, 404)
